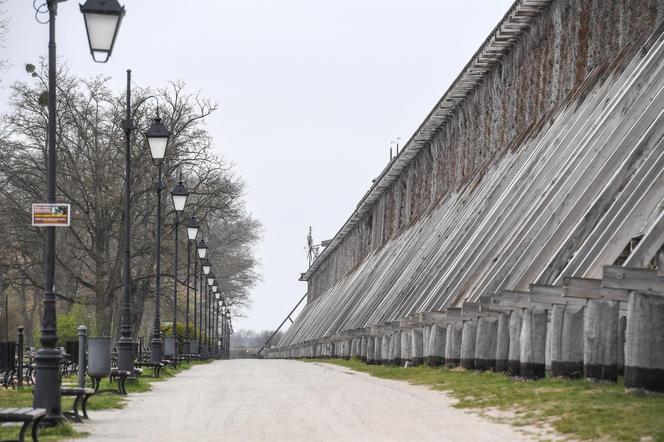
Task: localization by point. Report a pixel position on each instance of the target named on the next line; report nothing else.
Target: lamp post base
(47, 386)
(156, 349)
(126, 356)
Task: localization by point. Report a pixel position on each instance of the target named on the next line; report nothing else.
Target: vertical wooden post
(453, 344)
(600, 361)
(417, 345)
(644, 342)
(567, 341)
(485, 344)
(468, 337)
(514, 353)
(502, 342)
(437, 340)
(533, 344)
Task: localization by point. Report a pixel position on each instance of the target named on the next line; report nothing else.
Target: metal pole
(82, 337)
(195, 350)
(20, 356)
(157, 344)
(187, 343)
(47, 385)
(200, 312)
(207, 316)
(216, 331)
(175, 288)
(205, 321)
(126, 342)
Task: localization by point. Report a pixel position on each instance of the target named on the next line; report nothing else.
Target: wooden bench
(81, 399)
(26, 416)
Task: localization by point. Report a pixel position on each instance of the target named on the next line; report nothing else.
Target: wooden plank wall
(564, 202)
(550, 55)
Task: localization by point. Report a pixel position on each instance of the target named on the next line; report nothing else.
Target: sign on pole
(51, 215)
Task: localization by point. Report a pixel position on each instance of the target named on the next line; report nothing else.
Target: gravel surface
(275, 400)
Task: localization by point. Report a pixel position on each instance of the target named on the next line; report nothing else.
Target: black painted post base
(608, 373)
(452, 362)
(532, 371)
(126, 356)
(436, 361)
(513, 368)
(485, 364)
(502, 365)
(156, 350)
(47, 387)
(571, 370)
(651, 379)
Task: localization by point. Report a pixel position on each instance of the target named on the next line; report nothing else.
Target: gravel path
(274, 400)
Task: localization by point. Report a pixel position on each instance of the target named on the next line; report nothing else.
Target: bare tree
(91, 178)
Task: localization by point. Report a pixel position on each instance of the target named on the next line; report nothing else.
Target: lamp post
(215, 333)
(126, 342)
(47, 374)
(228, 332)
(157, 136)
(192, 233)
(205, 269)
(179, 194)
(208, 295)
(223, 327)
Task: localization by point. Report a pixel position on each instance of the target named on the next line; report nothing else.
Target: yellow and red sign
(51, 215)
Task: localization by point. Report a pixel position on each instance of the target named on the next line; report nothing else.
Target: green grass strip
(574, 408)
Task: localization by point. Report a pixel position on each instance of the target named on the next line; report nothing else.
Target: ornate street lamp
(201, 249)
(192, 232)
(157, 136)
(217, 295)
(208, 298)
(47, 374)
(179, 194)
(102, 22)
(206, 266)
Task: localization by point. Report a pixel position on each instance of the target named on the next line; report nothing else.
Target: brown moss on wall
(550, 60)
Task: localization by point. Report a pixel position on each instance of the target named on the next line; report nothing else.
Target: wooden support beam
(625, 278)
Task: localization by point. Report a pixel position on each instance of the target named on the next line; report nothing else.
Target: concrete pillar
(485, 344)
(644, 342)
(514, 354)
(600, 359)
(406, 347)
(566, 339)
(453, 344)
(417, 346)
(502, 342)
(468, 337)
(533, 343)
(437, 339)
(385, 346)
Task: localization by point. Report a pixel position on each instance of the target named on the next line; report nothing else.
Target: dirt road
(254, 400)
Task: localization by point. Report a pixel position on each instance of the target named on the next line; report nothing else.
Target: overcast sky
(311, 93)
